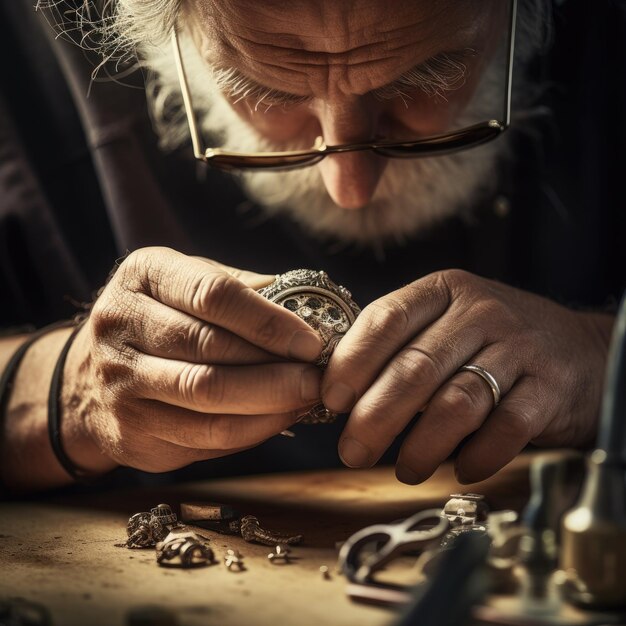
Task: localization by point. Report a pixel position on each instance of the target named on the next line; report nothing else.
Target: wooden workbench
(61, 552)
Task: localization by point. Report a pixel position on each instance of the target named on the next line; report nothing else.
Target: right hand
(180, 361)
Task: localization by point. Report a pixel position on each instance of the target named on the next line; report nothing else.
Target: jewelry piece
(280, 554)
(145, 529)
(488, 378)
(465, 508)
(234, 560)
(466, 512)
(252, 532)
(322, 304)
(184, 550)
(164, 513)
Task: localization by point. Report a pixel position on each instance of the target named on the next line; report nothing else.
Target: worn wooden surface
(61, 553)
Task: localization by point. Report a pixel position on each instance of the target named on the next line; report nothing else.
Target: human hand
(403, 355)
(180, 361)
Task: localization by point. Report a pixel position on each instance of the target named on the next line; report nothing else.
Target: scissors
(391, 540)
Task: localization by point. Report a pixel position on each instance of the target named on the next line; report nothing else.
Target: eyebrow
(444, 72)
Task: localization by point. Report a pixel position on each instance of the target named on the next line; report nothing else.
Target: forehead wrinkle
(306, 79)
(325, 25)
(315, 25)
(293, 64)
(370, 64)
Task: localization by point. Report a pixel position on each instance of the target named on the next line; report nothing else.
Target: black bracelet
(10, 371)
(55, 412)
(8, 375)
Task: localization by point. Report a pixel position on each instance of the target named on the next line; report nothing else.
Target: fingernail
(407, 475)
(310, 384)
(305, 346)
(353, 453)
(339, 398)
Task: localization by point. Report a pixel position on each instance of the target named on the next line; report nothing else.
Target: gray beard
(412, 195)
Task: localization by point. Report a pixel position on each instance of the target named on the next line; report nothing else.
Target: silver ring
(488, 378)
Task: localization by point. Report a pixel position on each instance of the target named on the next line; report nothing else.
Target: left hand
(403, 354)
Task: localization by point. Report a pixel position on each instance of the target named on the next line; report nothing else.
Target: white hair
(412, 194)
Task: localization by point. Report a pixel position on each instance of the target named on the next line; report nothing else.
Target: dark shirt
(82, 181)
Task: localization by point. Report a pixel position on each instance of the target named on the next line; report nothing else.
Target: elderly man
(368, 139)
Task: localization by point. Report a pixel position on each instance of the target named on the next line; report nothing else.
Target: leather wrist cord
(10, 371)
(55, 415)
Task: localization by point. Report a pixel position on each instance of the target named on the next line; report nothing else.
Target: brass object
(234, 561)
(593, 553)
(538, 593)
(280, 553)
(322, 304)
(505, 537)
(185, 550)
(252, 532)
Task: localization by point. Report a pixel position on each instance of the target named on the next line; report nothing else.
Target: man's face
(349, 71)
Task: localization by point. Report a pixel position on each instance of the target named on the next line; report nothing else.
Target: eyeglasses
(435, 145)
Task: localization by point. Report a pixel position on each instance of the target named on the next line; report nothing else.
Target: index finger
(209, 292)
(380, 331)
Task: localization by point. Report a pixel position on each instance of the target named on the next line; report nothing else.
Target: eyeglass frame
(453, 141)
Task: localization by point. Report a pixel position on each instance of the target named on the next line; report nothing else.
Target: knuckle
(115, 375)
(145, 257)
(132, 269)
(491, 309)
(143, 270)
(208, 343)
(387, 316)
(268, 331)
(462, 399)
(416, 362)
(201, 384)
(517, 423)
(454, 280)
(116, 319)
(211, 292)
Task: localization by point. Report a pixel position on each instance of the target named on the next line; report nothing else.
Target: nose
(350, 178)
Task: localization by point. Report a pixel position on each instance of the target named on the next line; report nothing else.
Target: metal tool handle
(612, 433)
